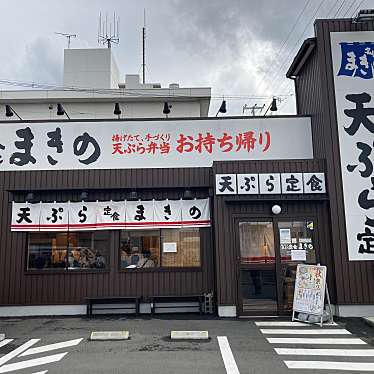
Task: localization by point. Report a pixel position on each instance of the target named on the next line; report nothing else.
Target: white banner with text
(110, 215)
(353, 69)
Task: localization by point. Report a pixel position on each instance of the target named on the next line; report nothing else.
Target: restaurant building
(224, 207)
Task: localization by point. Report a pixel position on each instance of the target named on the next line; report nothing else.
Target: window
(140, 249)
(160, 248)
(184, 247)
(88, 250)
(256, 242)
(74, 250)
(297, 235)
(296, 246)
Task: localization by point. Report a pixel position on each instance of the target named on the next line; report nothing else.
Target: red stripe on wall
(109, 225)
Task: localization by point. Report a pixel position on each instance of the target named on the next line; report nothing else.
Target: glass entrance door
(296, 244)
(258, 286)
(270, 251)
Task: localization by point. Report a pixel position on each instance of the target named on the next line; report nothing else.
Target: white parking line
(289, 324)
(5, 342)
(325, 352)
(227, 356)
(330, 365)
(51, 347)
(306, 331)
(41, 372)
(17, 351)
(34, 362)
(315, 341)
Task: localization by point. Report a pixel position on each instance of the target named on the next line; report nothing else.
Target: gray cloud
(235, 43)
(42, 62)
(227, 45)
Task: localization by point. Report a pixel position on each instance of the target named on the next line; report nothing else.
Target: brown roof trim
(301, 57)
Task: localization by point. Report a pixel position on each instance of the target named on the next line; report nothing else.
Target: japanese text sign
(310, 288)
(151, 144)
(353, 66)
(110, 215)
(284, 183)
(54, 216)
(357, 59)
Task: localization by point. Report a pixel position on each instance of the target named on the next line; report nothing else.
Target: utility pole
(143, 55)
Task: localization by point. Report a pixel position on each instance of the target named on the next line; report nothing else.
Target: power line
(283, 44)
(349, 8)
(358, 7)
(337, 12)
(328, 13)
(286, 60)
(302, 36)
(280, 66)
(119, 92)
(284, 85)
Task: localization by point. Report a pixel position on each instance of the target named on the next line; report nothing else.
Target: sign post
(309, 295)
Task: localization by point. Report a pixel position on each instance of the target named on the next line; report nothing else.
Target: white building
(92, 85)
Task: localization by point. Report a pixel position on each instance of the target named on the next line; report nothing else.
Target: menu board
(310, 285)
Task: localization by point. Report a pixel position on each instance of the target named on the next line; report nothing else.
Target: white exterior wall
(101, 110)
(94, 68)
(91, 88)
(115, 74)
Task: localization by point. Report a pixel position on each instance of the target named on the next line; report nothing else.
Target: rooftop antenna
(105, 33)
(67, 36)
(253, 108)
(143, 55)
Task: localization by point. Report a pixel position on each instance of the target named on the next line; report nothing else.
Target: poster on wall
(310, 288)
(285, 236)
(169, 247)
(151, 144)
(353, 69)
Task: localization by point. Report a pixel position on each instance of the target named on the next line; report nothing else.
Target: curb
(189, 335)
(368, 320)
(109, 335)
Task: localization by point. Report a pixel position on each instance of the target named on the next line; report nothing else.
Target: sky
(240, 48)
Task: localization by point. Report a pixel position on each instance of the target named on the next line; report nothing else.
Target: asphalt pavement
(235, 346)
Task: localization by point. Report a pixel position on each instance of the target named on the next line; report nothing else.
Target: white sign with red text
(151, 144)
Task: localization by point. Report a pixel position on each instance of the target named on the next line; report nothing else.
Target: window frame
(160, 268)
(66, 270)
